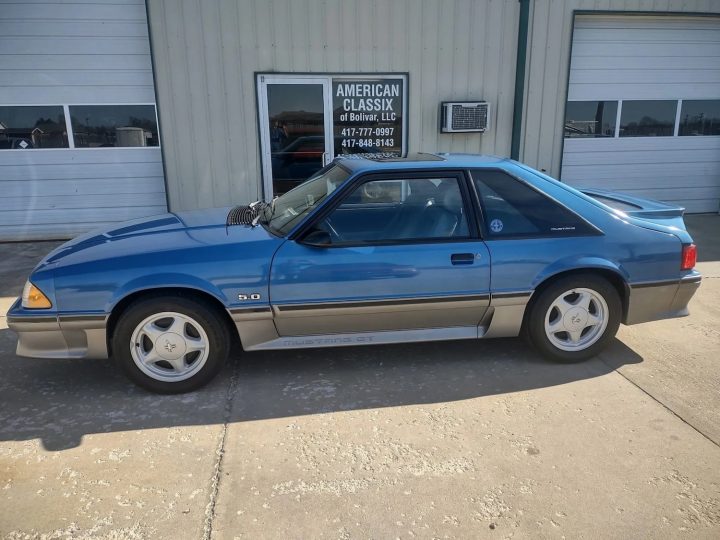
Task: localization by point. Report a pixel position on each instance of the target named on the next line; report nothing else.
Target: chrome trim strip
(82, 318)
(373, 303)
(23, 319)
(243, 311)
(523, 294)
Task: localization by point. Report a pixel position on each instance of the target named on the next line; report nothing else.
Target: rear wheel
(574, 318)
(171, 345)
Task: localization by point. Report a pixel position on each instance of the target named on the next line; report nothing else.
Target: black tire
(534, 327)
(205, 315)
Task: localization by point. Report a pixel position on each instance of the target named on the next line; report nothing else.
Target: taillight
(689, 257)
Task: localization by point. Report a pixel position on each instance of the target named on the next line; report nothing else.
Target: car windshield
(289, 209)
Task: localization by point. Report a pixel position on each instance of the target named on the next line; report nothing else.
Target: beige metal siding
(206, 55)
(548, 60)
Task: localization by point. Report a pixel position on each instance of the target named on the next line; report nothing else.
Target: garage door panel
(37, 95)
(76, 78)
(43, 201)
(619, 49)
(643, 62)
(646, 76)
(51, 62)
(642, 157)
(704, 206)
(587, 91)
(648, 33)
(619, 181)
(87, 186)
(621, 58)
(81, 215)
(84, 52)
(105, 156)
(32, 231)
(91, 170)
(611, 144)
(118, 11)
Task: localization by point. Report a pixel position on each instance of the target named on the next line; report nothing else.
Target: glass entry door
(295, 121)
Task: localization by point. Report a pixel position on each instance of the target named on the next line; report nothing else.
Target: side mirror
(317, 238)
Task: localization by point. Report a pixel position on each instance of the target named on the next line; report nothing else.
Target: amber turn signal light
(34, 298)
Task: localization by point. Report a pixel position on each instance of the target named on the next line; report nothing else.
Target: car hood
(162, 232)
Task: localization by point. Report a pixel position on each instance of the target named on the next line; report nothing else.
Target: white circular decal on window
(496, 225)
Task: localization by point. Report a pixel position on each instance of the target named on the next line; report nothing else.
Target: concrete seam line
(663, 405)
(219, 455)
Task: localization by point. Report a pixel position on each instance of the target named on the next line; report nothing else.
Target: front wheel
(171, 345)
(574, 318)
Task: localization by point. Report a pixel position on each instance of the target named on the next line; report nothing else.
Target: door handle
(462, 258)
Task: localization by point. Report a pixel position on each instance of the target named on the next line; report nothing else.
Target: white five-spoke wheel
(574, 317)
(171, 344)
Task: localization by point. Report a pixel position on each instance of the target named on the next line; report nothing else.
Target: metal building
(252, 96)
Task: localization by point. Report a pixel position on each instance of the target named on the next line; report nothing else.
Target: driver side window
(394, 210)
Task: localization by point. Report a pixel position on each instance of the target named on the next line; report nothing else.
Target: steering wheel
(372, 190)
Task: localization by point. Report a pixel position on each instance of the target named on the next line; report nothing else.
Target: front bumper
(53, 335)
(661, 300)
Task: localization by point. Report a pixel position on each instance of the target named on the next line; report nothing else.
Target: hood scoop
(246, 215)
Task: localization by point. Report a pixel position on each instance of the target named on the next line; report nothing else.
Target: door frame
(262, 79)
(264, 119)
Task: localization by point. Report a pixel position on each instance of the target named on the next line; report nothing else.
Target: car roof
(357, 163)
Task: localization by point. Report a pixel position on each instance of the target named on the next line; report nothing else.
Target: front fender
(165, 280)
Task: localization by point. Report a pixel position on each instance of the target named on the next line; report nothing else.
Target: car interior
(388, 210)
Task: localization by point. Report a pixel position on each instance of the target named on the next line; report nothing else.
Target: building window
(648, 118)
(700, 117)
(590, 118)
(114, 125)
(26, 127)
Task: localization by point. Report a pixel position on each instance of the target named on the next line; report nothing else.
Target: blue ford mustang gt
(368, 251)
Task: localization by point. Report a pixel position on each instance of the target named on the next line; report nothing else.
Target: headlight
(34, 298)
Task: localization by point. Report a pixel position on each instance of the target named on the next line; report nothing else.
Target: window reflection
(590, 118)
(700, 117)
(648, 118)
(27, 127)
(297, 133)
(114, 125)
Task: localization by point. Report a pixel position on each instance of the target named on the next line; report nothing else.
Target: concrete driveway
(442, 440)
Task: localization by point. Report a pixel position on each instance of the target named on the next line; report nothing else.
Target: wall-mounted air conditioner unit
(464, 116)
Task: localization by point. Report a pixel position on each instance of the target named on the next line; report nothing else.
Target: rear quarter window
(512, 208)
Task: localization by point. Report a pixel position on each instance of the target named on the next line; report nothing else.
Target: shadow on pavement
(60, 401)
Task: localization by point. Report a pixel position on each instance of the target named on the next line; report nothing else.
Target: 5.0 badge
(252, 296)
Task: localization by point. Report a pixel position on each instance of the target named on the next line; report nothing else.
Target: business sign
(368, 116)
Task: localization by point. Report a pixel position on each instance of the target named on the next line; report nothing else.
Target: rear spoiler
(660, 213)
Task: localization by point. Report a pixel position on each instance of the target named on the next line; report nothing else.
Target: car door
(398, 252)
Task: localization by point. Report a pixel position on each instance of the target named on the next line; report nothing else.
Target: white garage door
(643, 111)
(79, 144)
